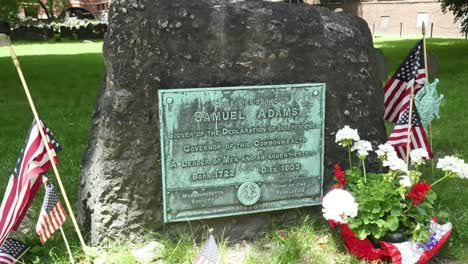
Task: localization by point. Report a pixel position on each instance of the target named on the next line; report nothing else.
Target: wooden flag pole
(412, 101)
(410, 124)
(68, 247)
(427, 77)
(72, 260)
(41, 131)
(424, 48)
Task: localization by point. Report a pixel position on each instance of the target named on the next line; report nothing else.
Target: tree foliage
(51, 6)
(460, 9)
(10, 8)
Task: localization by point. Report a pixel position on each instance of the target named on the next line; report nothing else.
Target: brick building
(389, 17)
(99, 8)
(384, 17)
(86, 8)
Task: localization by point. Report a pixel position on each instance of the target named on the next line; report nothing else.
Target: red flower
(333, 223)
(418, 192)
(338, 171)
(340, 178)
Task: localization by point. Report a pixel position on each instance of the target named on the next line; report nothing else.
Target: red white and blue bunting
(408, 252)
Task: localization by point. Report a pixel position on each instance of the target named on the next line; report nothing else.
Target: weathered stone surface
(382, 65)
(203, 43)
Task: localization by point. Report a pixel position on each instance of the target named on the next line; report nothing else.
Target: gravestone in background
(156, 44)
(4, 27)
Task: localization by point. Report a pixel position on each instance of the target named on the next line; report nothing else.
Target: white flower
(447, 163)
(338, 204)
(452, 164)
(384, 151)
(346, 134)
(417, 156)
(405, 181)
(464, 171)
(363, 147)
(395, 163)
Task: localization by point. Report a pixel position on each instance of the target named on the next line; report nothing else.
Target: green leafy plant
(384, 207)
(381, 207)
(396, 200)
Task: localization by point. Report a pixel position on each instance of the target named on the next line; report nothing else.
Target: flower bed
(375, 205)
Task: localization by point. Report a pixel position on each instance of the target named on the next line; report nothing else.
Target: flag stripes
(18, 189)
(399, 136)
(52, 215)
(398, 89)
(397, 95)
(26, 179)
(6, 259)
(418, 140)
(48, 225)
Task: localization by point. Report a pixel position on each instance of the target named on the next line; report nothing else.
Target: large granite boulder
(152, 44)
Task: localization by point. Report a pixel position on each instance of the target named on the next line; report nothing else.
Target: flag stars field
(12, 250)
(398, 88)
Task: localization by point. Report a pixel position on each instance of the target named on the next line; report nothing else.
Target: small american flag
(418, 138)
(26, 178)
(11, 251)
(52, 214)
(398, 88)
(209, 254)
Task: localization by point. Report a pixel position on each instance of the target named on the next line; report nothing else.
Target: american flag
(398, 88)
(418, 138)
(26, 179)
(209, 254)
(11, 251)
(52, 214)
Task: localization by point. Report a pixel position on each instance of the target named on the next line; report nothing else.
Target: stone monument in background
(152, 45)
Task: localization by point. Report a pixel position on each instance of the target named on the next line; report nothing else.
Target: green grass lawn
(64, 80)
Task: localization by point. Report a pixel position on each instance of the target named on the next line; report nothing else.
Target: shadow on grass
(64, 88)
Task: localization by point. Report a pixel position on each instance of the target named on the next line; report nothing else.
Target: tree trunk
(46, 10)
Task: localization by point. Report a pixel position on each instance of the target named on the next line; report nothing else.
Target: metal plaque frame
(197, 126)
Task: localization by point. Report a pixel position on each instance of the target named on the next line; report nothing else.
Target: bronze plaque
(239, 150)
